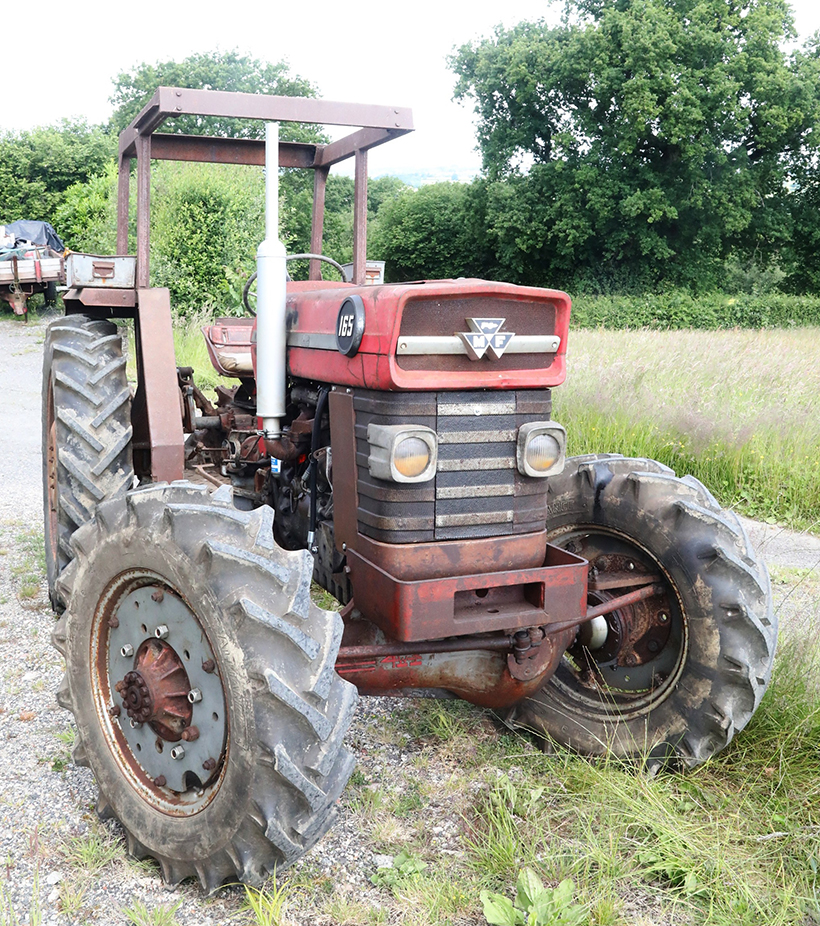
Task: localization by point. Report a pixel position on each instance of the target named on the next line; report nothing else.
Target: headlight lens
(402, 453)
(541, 448)
(411, 456)
(542, 452)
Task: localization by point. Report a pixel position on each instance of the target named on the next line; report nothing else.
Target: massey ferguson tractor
(394, 443)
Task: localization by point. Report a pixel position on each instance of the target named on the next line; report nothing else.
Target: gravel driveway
(58, 865)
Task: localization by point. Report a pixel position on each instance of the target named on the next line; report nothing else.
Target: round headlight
(542, 452)
(411, 456)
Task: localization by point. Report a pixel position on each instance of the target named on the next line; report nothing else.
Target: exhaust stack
(271, 293)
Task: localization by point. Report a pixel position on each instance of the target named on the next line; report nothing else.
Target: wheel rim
(646, 644)
(158, 693)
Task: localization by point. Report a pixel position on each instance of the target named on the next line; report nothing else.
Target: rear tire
(678, 675)
(86, 431)
(250, 668)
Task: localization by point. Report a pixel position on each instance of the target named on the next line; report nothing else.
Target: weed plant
(740, 410)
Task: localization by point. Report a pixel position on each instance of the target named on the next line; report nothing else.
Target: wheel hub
(156, 690)
(163, 695)
(632, 653)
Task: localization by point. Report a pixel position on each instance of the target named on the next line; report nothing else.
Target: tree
(38, 166)
(430, 233)
(214, 70)
(641, 141)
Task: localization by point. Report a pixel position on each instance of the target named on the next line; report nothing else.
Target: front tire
(187, 627)
(674, 677)
(86, 431)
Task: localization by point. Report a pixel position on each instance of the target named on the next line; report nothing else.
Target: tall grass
(740, 410)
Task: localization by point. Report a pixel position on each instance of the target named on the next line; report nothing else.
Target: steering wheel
(246, 292)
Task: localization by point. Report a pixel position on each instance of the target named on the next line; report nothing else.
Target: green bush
(680, 309)
(207, 223)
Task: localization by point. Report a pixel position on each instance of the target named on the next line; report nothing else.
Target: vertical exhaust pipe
(271, 294)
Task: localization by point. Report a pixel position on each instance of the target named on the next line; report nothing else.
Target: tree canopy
(38, 166)
(641, 140)
(210, 71)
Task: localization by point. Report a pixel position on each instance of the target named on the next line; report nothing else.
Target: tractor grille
(477, 490)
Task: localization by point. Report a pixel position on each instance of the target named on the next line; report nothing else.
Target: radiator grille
(477, 490)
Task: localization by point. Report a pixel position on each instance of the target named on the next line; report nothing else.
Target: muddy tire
(673, 678)
(86, 431)
(202, 635)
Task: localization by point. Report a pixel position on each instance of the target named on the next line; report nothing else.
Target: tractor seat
(229, 346)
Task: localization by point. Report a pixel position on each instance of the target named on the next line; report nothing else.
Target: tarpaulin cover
(36, 233)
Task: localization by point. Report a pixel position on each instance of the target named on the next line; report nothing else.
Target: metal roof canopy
(374, 126)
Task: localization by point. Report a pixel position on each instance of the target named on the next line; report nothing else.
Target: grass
(28, 564)
(139, 914)
(269, 905)
(93, 851)
(740, 410)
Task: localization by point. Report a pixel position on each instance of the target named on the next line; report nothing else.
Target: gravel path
(58, 865)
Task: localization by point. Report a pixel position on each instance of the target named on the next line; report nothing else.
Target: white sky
(359, 51)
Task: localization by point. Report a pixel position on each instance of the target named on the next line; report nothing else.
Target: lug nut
(127, 650)
(158, 595)
(161, 633)
(194, 695)
(160, 781)
(630, 567)
(663, 618)
(135, 724)
(208, 666)
(113, 622)
(209, 765)
(114, 711)
(178, 752)
(191, 734)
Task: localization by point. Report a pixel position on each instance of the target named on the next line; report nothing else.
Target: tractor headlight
(401, 453)
(541, 448)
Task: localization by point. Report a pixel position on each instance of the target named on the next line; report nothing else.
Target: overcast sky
(61, 64)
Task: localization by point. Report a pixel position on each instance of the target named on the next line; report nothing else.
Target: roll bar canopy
(374, 125)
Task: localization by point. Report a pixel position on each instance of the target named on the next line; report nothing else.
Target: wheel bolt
(191, 734)
(160, 781)
(630, 660)
(178, 752)
(663, 618)
(653, 646)
(135, 724)
(127, 650)
(209, 765)
(113, 622)
(115, 710)
(161, 632)
(630, 566)
(194, 695)
(208, 666)
(158, 595)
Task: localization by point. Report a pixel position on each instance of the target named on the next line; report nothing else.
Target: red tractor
(395, 444)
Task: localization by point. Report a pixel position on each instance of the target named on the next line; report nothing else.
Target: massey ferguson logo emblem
(485, 335)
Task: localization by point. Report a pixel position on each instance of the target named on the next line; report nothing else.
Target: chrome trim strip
(415, 345)
(476, 437)
(474, 519)
(469, 466)
(314, 339)
(471, 491)
(460, 409)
